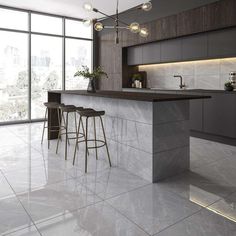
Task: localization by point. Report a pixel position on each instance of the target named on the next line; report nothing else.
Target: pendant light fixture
(133, 27)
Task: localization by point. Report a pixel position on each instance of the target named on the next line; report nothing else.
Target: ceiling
(71, 8)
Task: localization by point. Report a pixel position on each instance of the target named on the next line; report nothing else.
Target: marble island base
(149, 139)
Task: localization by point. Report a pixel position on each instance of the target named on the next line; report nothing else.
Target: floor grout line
(33, 223)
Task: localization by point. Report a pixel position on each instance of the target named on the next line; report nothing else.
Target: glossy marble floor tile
(27, 179)
(5, 188)
(56, 199)
(12, 215)
(112, 182)
(152, 208)
(99, 219)
(30, 231)
(198, 188)
(204, 223)
(225, 207)
(42, 194)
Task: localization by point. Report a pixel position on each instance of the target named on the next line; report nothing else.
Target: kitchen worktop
(179, 90)
(138, 96)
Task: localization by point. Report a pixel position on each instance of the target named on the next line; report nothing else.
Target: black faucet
(182, 85)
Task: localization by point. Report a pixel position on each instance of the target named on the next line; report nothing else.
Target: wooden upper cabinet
(190, 22)
(220, 14)
(166, 28)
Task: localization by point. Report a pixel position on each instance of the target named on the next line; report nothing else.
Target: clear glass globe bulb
(134, 27)
(147, 6)
(98, 26)
(87, 22)
(88, 6)
(144, 32)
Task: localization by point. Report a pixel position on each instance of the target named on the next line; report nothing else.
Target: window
(11, 19)
(76, 28)
(44, 49)
(46, 71)
(13, 76)
(78, 53)
(46, 24)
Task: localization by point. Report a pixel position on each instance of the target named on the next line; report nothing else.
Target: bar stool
(90, 113)
(50, 106)
(65, 110)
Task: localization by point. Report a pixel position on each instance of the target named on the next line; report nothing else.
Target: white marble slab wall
(206, 74)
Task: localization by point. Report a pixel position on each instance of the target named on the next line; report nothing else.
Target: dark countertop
(184, 90)
(138, 96)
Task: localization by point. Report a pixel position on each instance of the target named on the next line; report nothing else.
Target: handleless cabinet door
(194, 47)
(220, 115)
(135, 55)
(222, 43)
(171, 50)
(151, 53)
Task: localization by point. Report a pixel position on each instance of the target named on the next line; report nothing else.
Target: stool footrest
(94, 140)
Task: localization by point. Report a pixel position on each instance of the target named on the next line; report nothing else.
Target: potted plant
(136, 78)
(229, 86)
(97, 73)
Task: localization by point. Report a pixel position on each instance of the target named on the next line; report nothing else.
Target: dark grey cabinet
(194, 47)
(135, 55)
(222, 43)
(171, 50)
(220, 115)
(151, 53)
(216, 44)
(196, 114)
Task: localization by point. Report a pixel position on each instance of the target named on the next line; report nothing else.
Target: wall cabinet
(151, 53)
(222, 43)
(194, 47)
(135, 55)
(211, 45)
(171, 50)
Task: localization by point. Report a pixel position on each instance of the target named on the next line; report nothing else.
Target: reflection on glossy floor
(41, 194)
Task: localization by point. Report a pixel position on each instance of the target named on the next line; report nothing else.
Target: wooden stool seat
(91, 113)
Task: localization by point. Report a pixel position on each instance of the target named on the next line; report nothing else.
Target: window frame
(62, 36)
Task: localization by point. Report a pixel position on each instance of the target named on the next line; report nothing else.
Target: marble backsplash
(207, 74)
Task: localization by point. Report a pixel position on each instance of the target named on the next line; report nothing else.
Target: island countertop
(139, 96)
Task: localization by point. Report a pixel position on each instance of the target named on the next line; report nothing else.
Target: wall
(209, 74)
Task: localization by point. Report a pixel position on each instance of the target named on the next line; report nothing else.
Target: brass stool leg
(77, 141)
(95, 138)
(105, 141)
(49, 127)
(59, 121)
(59, 133)
(86, 144)
(44, 124)
(66, 135)
(84, 132)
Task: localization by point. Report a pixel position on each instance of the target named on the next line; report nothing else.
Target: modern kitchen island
(147, 133)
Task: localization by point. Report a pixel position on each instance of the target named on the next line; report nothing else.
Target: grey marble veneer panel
(170, 163)
(164, 112)
(135, 161)
(135, 134)
(136, 111)
(170, 135)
